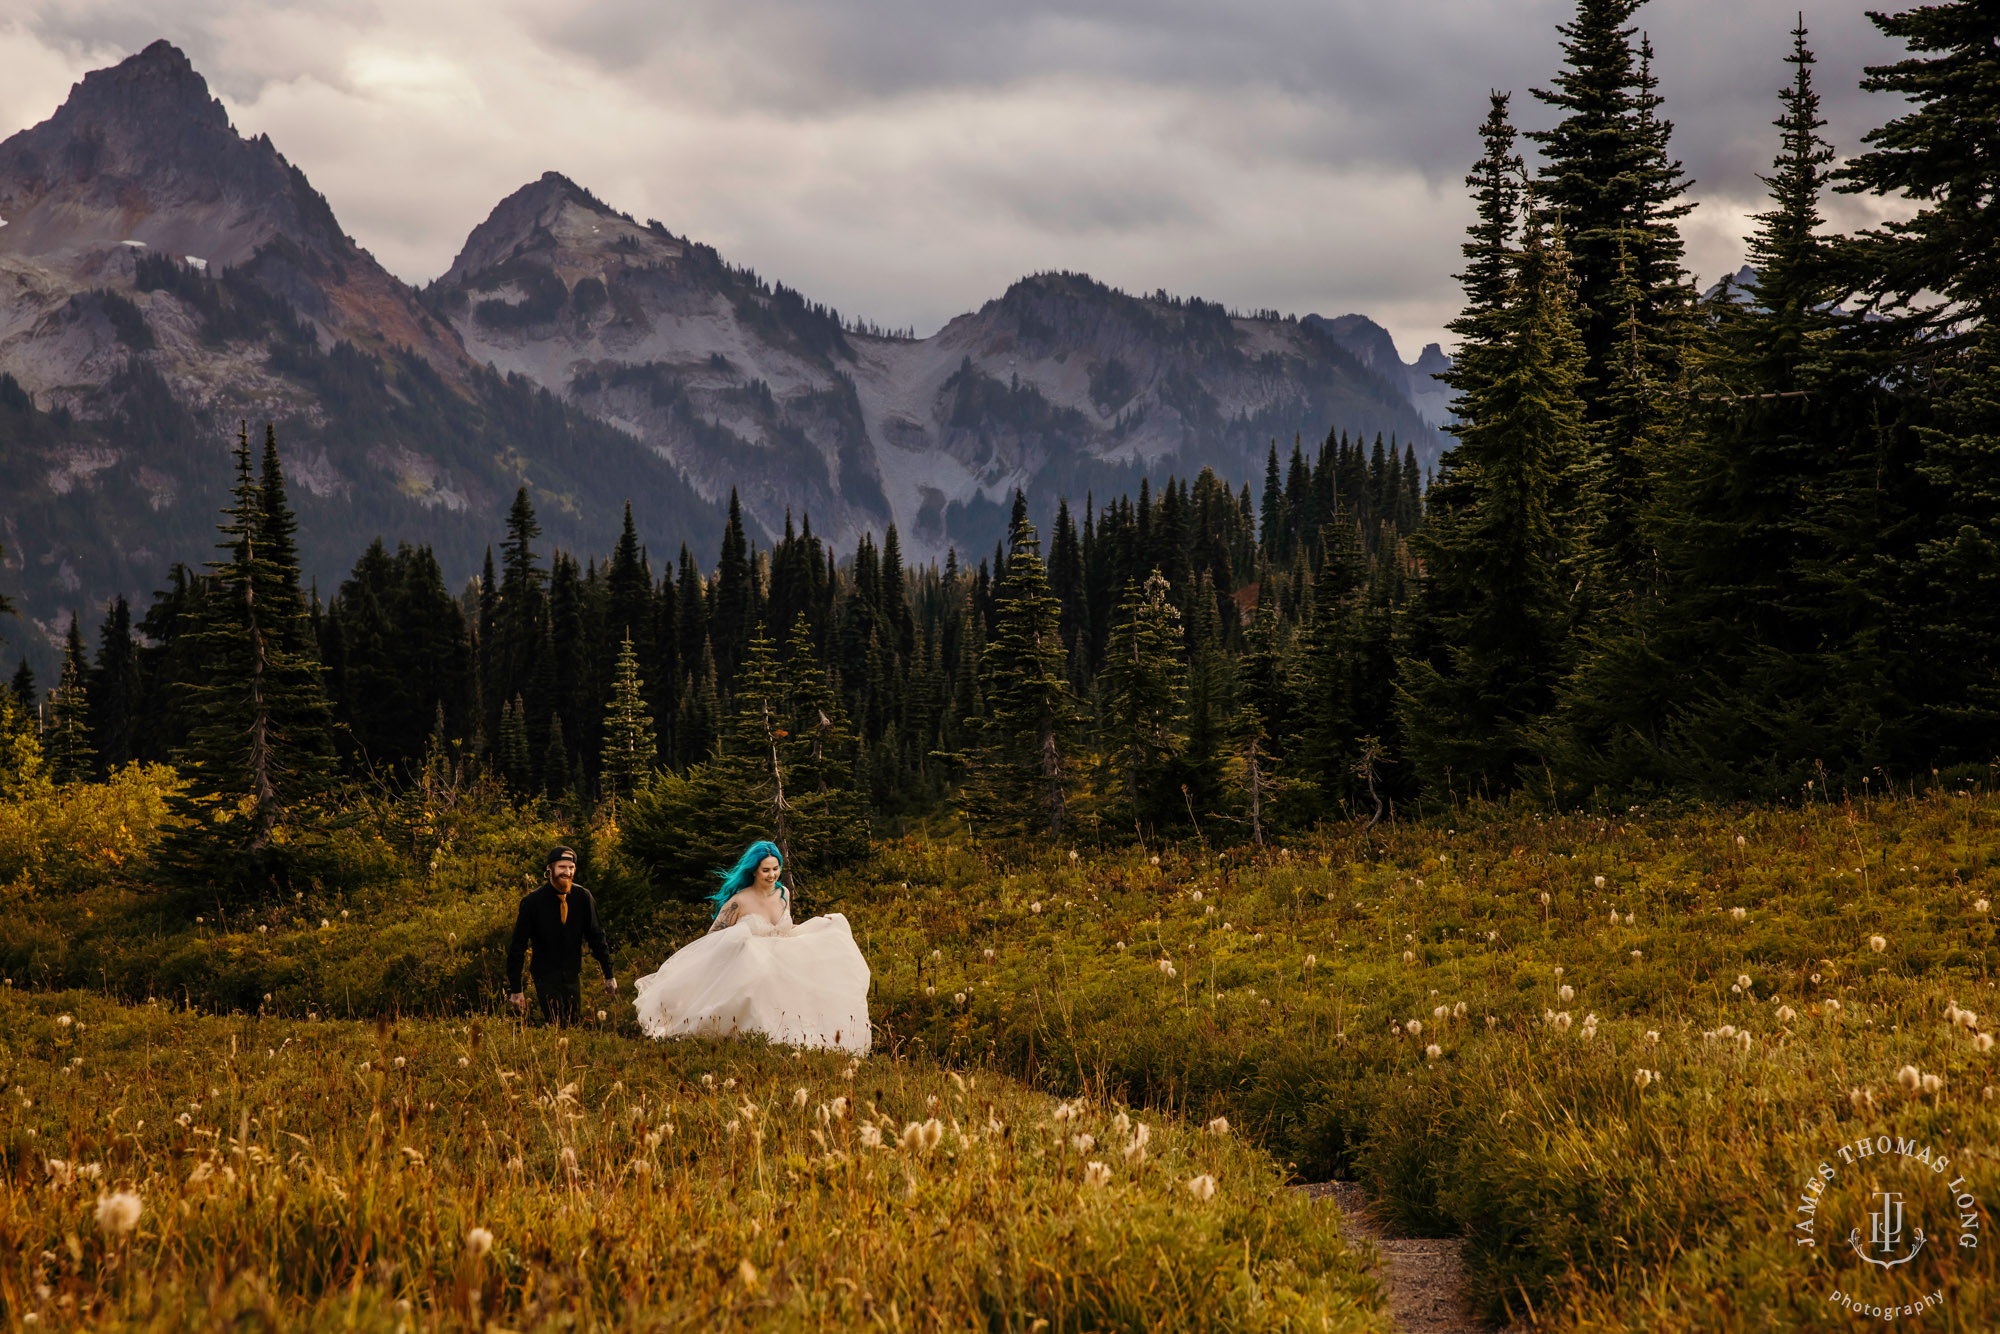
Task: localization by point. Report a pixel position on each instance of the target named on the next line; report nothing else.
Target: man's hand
(519, 1000)
(610, 985)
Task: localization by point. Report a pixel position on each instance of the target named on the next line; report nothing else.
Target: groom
(557, 918)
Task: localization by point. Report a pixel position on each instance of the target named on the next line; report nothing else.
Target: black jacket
(558, 945)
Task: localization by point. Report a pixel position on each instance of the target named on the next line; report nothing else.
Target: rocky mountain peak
(141, 152)
(554, 218)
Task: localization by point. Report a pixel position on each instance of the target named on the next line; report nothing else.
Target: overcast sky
(905, 160)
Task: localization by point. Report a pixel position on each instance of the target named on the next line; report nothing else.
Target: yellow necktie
(562, 902)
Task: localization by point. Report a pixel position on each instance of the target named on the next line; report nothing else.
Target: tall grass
(418, 1175)
(1392, 1004)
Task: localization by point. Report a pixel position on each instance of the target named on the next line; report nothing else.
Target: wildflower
(1614, 917)
(937, 954)
(1492, 1022)
(1967, 1019)
(262, 930)
(1743, 981)
(1831, 1006)
(1409, 956)
(1458, 1010)
(1638, 954)
(1908, 1077)
(1628, 918)
(708, 1081)
(1083, 1143)
(958, 997)
(325, 925)
(1786, 1014)
(1932, 1083)
(1035, 907)
(1562, 1021)
(1202, 1187)
(989, 956)
(1983, 1043)
(401, 1062)
(1740, 840)
(118, 1213)
(1980, 905)
(1641, 1078)
(1121, 946)
(838, 1108)
(1545, 896)
(1195, 897)
(478, 1242)
(1441, 1013)
(1432, 1052)
(343, 914)
(569, 1158)
(1860, 1099)
(747, 1272)
(1566, 992)
(1064, 1112)
(1414, 1027)
(1096, 1174)
(1167, 966)
(930, 991)
(64, 1021)
(1743, 1040)
(799, 1097)
(852, 1066)
(1073, 858)
(871, 1136)
(1559, 970)
(1135, 1154)
(730, 1082)
(1219, 1126)
(1726, 1032)
(1877, 944)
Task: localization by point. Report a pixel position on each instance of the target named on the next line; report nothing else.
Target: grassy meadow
(1608, 1049)
(418, 1174)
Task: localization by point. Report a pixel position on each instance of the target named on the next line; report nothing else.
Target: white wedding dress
(755, 972)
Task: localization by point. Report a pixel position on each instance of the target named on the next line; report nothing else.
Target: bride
(755, 972)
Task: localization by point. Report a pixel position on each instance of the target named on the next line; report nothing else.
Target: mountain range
(163, 278)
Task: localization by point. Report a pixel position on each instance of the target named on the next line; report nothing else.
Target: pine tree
(1022, 776)
(1936, 279)
(71, 757)
(114, 690)
(258, 754)
(22, 687)
(1497, 614)
(1145, 694)
(629, 748)
(734, 597)
(1606, 175)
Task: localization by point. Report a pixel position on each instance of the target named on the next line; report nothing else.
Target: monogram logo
(1885, 1233)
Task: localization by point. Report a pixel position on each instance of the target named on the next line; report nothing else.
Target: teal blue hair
(744, 873)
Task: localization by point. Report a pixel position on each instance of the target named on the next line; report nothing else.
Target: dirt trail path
(1423, 1274)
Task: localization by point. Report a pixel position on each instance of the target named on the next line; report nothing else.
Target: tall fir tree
(1496, 639)
(629, 750)
(1022, 775)
(1145, 692)
(71, 757)
(259, 750)
(1934, 281)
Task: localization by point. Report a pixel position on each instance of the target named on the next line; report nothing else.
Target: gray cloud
(904, 159)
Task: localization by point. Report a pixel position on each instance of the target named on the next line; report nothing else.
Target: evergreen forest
(1723, 544)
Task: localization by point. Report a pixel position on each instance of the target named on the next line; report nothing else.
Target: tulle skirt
(805, 986)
